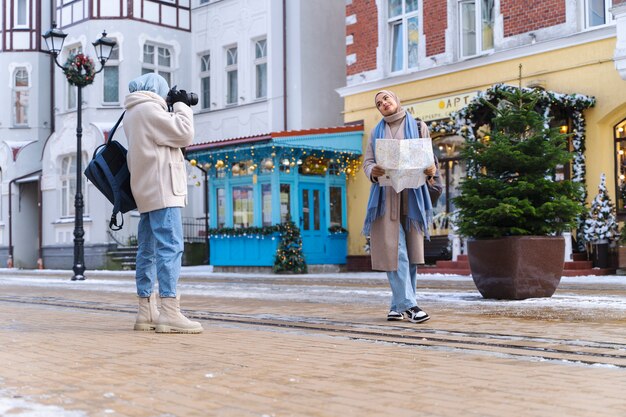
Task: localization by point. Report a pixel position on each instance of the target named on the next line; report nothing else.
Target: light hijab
(420, 207)
(150, 82)
(400, 112)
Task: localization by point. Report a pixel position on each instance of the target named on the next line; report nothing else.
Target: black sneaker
(416, 315)
(394, 316)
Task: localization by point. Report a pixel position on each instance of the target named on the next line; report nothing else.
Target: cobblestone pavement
(309, 346)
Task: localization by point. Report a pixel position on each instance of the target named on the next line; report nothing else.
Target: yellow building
(581, 63)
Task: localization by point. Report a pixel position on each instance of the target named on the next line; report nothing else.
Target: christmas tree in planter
(511, 209)
(600, 228)
(289, 258)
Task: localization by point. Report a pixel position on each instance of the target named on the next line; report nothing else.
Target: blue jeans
(160, 251)
(403, 281)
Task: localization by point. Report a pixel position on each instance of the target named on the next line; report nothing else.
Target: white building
(253, 73)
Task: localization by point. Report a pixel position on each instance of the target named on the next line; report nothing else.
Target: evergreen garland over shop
(289, 257)
(601, 225)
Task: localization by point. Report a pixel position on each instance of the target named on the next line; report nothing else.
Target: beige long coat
(158, 177)
(385, 230)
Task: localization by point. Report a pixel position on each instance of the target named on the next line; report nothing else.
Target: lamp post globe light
(80, 72)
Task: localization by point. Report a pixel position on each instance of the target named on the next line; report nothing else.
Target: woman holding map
(397, 221)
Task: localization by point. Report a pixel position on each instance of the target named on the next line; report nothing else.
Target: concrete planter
(517, 267)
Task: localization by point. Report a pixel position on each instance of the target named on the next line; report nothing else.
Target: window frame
(608, 16)
(111, 62)
(205, 74)
(155, 66)
(65, 183)
(18, 90)
(402, 19)
(231, 68)
(258, 62)
(478, 12)
(16, 14)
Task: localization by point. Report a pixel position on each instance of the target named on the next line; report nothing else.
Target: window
(266, 204)
(597, 12)
(68, 186)
(285, 203)
(111, 78)
(21, 86)
(336, 210)
(243, 206)
(205, 81)
(21, 13)
(403, 33)
(221, 207)
(71, 90)
(476, 26)
(620, 166)
(260, 63)
(231, 76)
(157, 59)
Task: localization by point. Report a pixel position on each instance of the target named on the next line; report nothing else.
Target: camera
(175, 95)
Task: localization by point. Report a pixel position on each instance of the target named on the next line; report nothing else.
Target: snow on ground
(12, 406)
(248, 286)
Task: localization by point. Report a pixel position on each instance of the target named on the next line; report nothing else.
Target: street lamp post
(78, 74)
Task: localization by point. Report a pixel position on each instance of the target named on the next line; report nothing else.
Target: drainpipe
(285, 65)
(10, 258)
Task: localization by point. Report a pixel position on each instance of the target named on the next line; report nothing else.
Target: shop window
(476, 20)
(620, 166)
(221, 206)
(336, 208)
(205, 81)
(21, 87)
(285, 203)
(597, 12)
(111, 77)
(403, 34)
(266, 204)
(157, 59)
(243, 206)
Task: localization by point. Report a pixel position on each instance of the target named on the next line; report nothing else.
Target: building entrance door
(313, 222)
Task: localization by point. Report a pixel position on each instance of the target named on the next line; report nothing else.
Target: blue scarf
(420, 208)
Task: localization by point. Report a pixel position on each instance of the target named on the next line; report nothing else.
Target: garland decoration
(79, 70)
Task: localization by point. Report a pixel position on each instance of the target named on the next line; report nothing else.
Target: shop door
(312, 222)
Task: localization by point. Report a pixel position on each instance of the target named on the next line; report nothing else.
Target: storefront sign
(440, 108)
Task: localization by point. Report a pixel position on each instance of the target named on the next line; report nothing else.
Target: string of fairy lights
(266, 158)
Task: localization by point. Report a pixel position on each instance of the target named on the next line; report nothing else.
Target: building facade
(439, 55)
(256, 66)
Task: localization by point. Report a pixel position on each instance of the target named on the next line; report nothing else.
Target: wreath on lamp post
(79, 70)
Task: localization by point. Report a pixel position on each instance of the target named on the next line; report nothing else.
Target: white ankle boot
(147, 315)
(171, 319)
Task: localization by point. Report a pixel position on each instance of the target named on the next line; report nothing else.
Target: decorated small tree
(601, 225)
(289, 258)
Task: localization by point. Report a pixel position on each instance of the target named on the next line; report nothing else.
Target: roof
(275, 135)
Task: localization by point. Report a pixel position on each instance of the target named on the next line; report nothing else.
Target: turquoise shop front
(257, 183)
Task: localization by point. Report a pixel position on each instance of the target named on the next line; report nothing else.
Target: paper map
(404, 162)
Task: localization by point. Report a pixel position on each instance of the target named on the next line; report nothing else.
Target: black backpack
(108, 171)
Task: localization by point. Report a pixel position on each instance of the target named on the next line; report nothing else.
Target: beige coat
(158, 177)
(385, 230)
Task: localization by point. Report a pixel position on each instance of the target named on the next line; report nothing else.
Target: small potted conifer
(600, 229)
